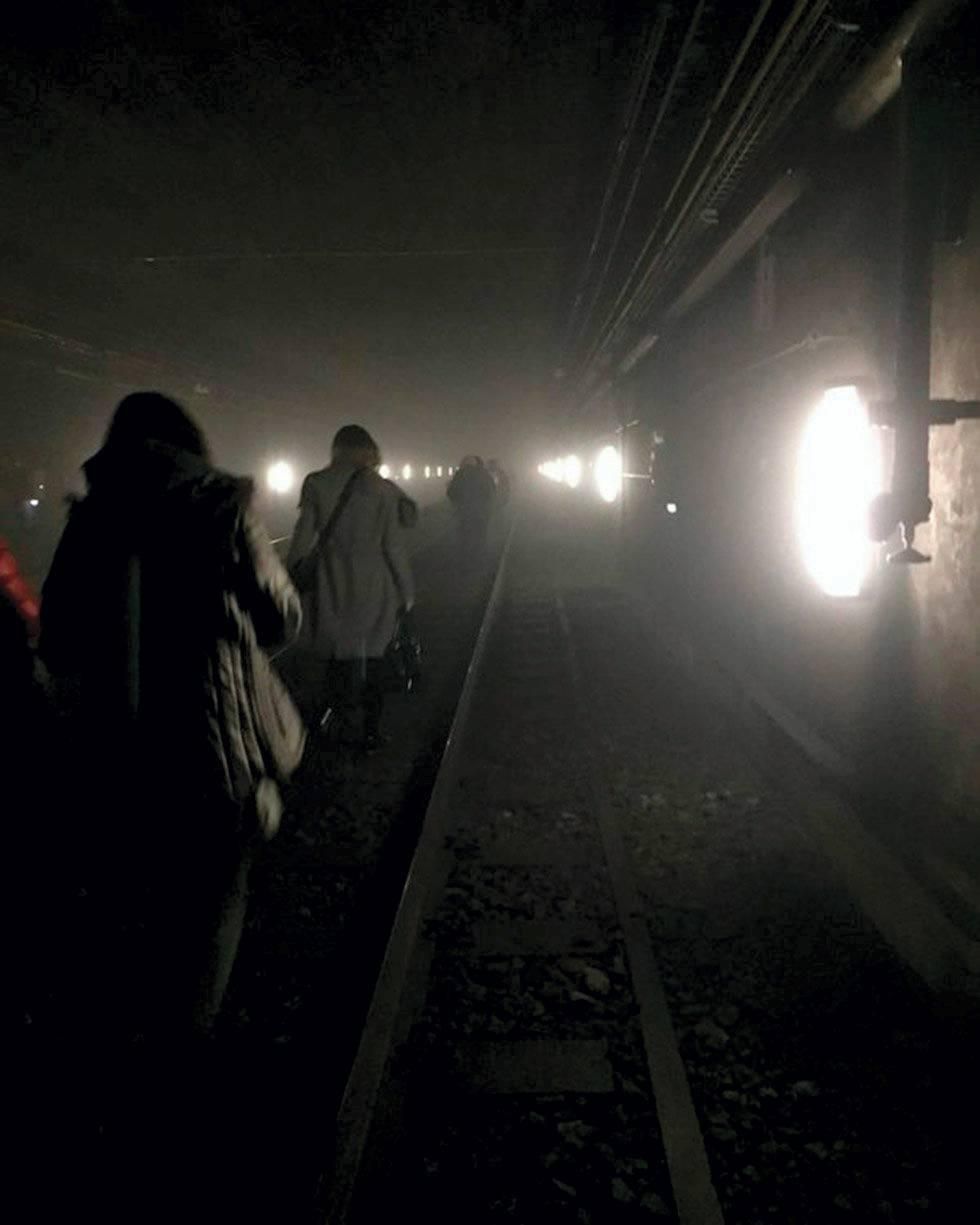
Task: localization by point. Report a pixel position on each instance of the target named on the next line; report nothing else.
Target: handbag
(404, 654)
(303, 570)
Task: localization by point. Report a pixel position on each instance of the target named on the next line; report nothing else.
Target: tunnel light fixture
(671, 508)
(427, 472)
(406, 472)
(280, 477)
(438, 469)
(384, 471)
(608, 473)
(572, 471)
(839, 471)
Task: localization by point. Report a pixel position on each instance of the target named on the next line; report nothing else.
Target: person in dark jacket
(162, 599)
(472, 492)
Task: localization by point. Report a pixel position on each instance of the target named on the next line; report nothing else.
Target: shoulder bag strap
(327, 530)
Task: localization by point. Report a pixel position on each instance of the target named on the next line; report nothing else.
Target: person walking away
(348, 556)
(162, 599)
(472, 492)
(501, 481)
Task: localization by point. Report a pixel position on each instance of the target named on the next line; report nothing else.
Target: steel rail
(429, 865)
(687, 1161)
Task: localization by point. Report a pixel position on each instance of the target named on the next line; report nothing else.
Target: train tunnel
(635, 874)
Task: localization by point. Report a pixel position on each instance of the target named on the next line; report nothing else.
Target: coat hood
(154, 478)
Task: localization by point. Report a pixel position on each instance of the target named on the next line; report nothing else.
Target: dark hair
(356, 442)
(149, 416)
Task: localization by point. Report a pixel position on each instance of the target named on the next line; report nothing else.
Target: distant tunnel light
(384, 471)
(439, 470)
(839, 471)
(671, 508)
(572, 471)
(406, 472)
(428, 471)
(608, 472)
(280, 477)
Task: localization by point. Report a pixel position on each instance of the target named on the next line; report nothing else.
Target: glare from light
(384, 472)
(839, 471)
(428, 471)
(608, 472)
(407, 472)
(280, 477)
(572, 471)
(34, 502)
(671, 508)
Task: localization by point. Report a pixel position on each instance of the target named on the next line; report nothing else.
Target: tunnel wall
(891, 679)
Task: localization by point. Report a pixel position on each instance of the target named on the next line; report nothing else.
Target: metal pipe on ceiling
(634, 108)
(648, 145)
(881, 77)
(799, 83)
(699, 139)
(756, 82)
(777, 200)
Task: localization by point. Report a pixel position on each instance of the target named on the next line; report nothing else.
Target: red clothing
(17, 590)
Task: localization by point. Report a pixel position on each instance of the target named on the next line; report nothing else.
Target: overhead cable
(610, 323)
(634, 109)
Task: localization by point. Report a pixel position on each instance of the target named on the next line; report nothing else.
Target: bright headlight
(572, 471)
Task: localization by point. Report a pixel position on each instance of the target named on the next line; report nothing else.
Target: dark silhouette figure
(472, 492)
(501, 480)
(162, 599)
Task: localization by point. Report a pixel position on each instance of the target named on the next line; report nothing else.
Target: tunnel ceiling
(725, 101)
(386, 202)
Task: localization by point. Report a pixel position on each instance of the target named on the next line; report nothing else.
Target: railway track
(522, 729)
(560, 1029)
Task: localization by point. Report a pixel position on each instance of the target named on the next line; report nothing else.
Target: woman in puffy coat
(163, 597)
(356, 581)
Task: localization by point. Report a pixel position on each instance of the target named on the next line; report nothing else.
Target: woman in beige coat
(356, 578)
